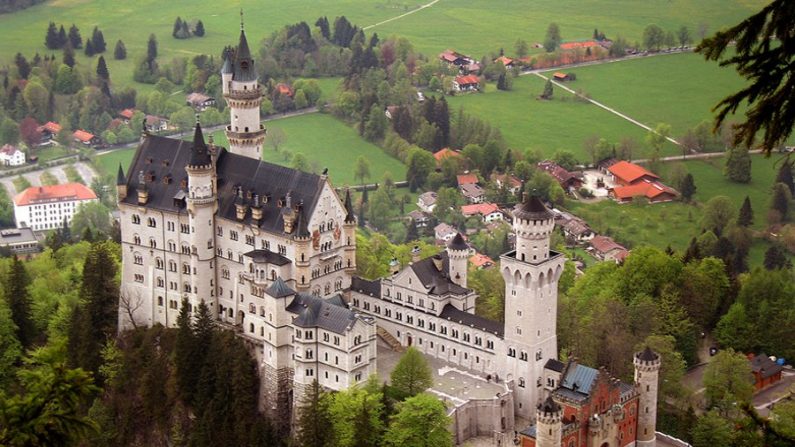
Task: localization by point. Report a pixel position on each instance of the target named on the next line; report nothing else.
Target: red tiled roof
(483, 209)
(555, 170)
(465, 179)
(605, 244)
(505, 60)
(54, 193)
(650, 190)
(8, 149)
(575, 45)
(51, 127)
(468, 79)
(629, 172)
(127, 113)
(481, 260)
(284, 89)
(83, 136)
(559, 75)
(444, 153)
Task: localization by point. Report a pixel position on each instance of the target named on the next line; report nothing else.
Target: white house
(427, 201)
(11, 156)
(46, 207)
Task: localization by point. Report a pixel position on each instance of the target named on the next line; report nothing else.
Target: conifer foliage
(314, 421)
(15, 286)
(120, 52)
(411, 375)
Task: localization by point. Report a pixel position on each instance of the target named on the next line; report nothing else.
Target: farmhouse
(156, 123)
(199, 101)
(11, 156)
(86, 138)
(49, 131)
(427, 201)
(604, 248)
(444, 233)
(465, 179)
(654, 191)
(126, 115)
(489, 212)
(445, 153)
(626, 173)
(467, 83)
(507, 181)
(578, 230)
(507, 61)
(419, 218)
(473, 193)
(453, 58)
(481, 261)
(567, 180)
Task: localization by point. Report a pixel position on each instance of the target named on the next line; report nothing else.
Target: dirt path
(427, 5)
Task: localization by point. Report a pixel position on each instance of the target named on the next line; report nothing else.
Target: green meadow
(678, 89)
(562, 123)
(325, 141)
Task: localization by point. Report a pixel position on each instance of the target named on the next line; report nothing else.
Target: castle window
(185, 249)
(160, 282)
(137, 240)
(185, 269)
(136, 219)
(539, 355)
(282, 250)
(186, 287)
(454, 333)
(139, 277)
(511, 352)
(336, 341)
(251, 327)
(151, 222)
(518, 331)
(466, 337)
(265, 245)
(184, 228)
(233, 235)
(310, 372)
(172, 266)
(138, 259)
(159, 263)
(308, 335)
(523, 356)
(521, 382)
(249, 240)
(160, 301)
(252, 309)
(219, 231)
(152, 243)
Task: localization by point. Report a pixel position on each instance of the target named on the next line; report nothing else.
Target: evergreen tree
(74, 37)
(421, 421)
(322, 23)
(441, 117)
(151, 48)
(89, 48)
(738, 165)
(51, 39)
(776, 258)
(120, 52)
(746, 216)
(553, 38)
(23, 67)
(780, 200)
(184, 360)
(69, 55)
(96, 318)
(314, 426)
(411, 375)
(501, 82)
(102, 69)
(687, 187)
(177, 27)
(199, 30)
(98, 40)
(548, 90)
(16, 295)
(693, 252)
(62, 39)
(184, 33)
(785, 176)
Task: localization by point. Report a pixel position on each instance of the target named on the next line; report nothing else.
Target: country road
(427, 5)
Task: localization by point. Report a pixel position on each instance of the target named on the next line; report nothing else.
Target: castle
(272, 252)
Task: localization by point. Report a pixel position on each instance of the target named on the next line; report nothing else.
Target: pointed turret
(350, 215)
(121, 185)
(532, 209)
(458, 253)
(121, 179)
(227, 67)
(244, 65)
(200, 155)
(301, 224)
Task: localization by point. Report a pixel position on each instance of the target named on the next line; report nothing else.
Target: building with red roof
(507, 61)
(626, 173)
(455, 58)
(47, 207)
(465, 179)
(127, 114)
(48, 131)
(466, 83)
(654, 191)
(605, 248)
(444, 153)
(87, 138)
(11, 156)
(284, 90)
(489, 212)
(481, 261)
(568, 180)
(565, 46)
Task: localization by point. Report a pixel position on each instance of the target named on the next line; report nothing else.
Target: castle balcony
(328, 255)
(254, 93)
(251, 134)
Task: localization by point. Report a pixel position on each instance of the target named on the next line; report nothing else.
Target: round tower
(201, 204)
(244, 96)
(549, 423)
(647, 371)
(533, 224)
(458, 253)
(349, 233)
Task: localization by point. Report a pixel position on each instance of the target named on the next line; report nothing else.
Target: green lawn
(678, 89)
(48, 153)
(478, 27)
(324, 140)
(559, 124)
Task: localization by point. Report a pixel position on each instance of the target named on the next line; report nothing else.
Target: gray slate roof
(555, 365)
(437, 281)
(161, 157)
(325, 314)
(580, 378)
(532, 209)
(279, 289)
(365, 286)
(452, 313)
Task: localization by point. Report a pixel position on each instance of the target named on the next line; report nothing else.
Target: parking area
(597, 182)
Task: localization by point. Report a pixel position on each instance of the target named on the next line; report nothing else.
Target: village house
(466, 83)
(156, 123)
(420, 219)
(506, 61)
(199, 101)
(636, 181)
(427, 201)
(284, 90)
(444, 233)
(507, 181)
(604, 248)
(453, 58)
(567, 180)
(85, 138)
(465, 179)
(445, 153)
(481, 261)
(488, 212)
(48, 207)
(625, 173)
(473, 193)
(11, 156)
(49, 131)
(577, 230)
(126, 115)
(561, 77)
(766, 372)
(19, 241)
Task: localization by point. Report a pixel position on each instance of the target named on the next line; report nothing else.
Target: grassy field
(562, 123)
(132, 22)
(324, 140)
(678, 89)
(478, 27)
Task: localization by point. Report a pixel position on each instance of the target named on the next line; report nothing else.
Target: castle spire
(120, 178)
(200, 156)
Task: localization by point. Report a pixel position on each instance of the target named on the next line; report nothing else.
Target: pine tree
(687, 187)
(23, 67)
(412, 234)
(102, 69)
(776, 258)
(738, 165)
(322, 23)
(314, 419)
(16, 295)
(199, 30)
(51, 39)
(151, 48)
(177, 27)
(62, 39)
(74, 37)
(184, 33)
(187, 370)
(89, 48)
(548, 90)
(120, 52)
(411, 375)
(785, 176)
(98, 40)
(693, 253)
(69, 55)
(780, 201)
(746, 216)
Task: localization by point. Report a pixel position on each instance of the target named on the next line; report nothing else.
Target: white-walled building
(46, 207)
(11, 156)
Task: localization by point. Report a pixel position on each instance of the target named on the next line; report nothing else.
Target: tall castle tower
(647, 371)
(458, 253)
(243, 94)
(549, 423)
(531, 275)
(202, 203)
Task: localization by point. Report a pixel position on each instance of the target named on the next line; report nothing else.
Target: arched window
(136, 239)
(159, 263)
(521, 382)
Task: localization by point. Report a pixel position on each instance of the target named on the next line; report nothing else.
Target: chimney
(437, 262)
(394, 266)
(256, 209)
(415, 254)
(241, 208)
(143, 193)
